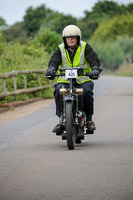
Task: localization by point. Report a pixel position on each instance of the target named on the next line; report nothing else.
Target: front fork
(68, 98)
(79, 116)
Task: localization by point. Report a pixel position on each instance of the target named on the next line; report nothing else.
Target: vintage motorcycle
(73, 116)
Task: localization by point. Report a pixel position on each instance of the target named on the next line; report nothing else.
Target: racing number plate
(71, 73)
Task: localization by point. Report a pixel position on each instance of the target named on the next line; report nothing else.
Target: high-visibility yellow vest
(78, 61)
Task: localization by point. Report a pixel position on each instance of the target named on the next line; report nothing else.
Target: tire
(69, 126)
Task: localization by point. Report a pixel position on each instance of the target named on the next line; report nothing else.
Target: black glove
(94, 74)
(51, 73)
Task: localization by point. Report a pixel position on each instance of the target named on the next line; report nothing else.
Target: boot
(90, 125)
(58, 129)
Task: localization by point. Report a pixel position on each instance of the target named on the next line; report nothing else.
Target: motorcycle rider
(74, 53)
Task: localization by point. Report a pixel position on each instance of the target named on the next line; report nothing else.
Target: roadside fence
(25, 90)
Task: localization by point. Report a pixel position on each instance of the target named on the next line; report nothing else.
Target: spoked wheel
(70, 129)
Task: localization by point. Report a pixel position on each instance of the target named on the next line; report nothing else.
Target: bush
(126, 44)
(2, 42)
(16, 33)
(110, 53)
(15, 56)
(49, 39)
(26, 56)
(57, 21)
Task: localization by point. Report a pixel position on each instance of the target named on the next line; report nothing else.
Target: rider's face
(71, 41)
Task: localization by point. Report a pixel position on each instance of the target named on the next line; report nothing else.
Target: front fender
(69, 98)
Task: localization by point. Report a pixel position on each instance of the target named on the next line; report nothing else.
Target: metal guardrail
(26, 90)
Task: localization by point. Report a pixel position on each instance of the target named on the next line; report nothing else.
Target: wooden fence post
(25, 82)
(4, 85)
(38, 79)
(15, 85)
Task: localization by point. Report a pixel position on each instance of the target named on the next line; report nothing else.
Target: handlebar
(58, 75)
(79, 70)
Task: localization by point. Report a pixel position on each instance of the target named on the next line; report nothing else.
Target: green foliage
(2, 22)
(2, 42)
(107, 8)
(120, 25)
(49, 39)
(108, 27)
(34, 17)
(57, 21)
(110, 54)
(113, 53)
(48, 93)
(41, 16)
(102, 12)
(110, 8)
(87, 27)
(126, 44)
(26, 56)
(16, 32)
(130, 7)
(19, 57)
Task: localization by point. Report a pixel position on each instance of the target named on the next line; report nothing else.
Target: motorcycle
(72, 114)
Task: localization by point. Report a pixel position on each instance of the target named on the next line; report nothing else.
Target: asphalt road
(36, 165)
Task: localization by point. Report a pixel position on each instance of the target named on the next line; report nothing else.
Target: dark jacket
(90, 56)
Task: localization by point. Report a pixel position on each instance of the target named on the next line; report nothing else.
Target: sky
(14, 10)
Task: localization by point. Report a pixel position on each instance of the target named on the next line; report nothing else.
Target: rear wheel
(70, 132)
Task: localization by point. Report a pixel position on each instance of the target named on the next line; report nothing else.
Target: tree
(130, 7)
(87, 27)
(49, 39)
(57, 21)
(106, 7)
(118, 26)
(34, 17)
(2, 22)
(102, 11)
(16, 32)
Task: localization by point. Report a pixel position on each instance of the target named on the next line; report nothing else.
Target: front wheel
(70, 136)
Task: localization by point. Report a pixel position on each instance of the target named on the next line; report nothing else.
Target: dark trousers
(88, 99)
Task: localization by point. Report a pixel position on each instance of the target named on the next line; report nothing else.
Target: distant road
(36, 165)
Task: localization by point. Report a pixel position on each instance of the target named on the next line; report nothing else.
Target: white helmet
(71, 30)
